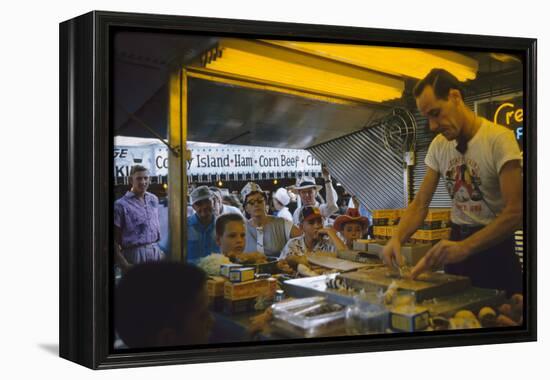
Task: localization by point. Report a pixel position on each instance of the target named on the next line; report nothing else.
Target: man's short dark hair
(154, 296)
(137, 168)
(441, 81)
(224, 219)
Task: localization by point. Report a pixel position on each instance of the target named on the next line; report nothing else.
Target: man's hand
(392, 254)
(444, 252)
(325, 172)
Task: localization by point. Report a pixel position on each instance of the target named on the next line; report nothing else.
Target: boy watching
(351, 226)
(231, 238)
(315, 237)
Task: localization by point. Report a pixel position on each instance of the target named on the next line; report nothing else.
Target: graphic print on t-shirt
(464, 184)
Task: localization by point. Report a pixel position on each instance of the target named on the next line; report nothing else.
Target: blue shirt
(201, 239)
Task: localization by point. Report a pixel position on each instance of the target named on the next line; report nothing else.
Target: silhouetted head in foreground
(163, 304)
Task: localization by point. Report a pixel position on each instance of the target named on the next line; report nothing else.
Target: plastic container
(309, 317)
(364, 318)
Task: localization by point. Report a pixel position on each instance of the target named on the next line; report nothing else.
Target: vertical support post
(177, 178)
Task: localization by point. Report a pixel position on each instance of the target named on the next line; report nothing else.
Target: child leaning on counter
(315, 238)
(231, 237)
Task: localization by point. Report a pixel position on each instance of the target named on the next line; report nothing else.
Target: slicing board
(428, 285)
(335, 263)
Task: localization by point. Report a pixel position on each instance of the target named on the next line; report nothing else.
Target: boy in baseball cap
(315, 237)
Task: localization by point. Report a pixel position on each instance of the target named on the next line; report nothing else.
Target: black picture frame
(86, 204)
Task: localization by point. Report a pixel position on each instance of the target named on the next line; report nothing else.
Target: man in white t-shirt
(480, 163)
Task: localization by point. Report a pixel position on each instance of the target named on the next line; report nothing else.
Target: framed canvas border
(86, 143)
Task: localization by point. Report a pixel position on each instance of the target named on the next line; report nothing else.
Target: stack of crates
(384, 222)
(436, 225)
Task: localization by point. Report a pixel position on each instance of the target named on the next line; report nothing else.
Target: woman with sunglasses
(264, 233)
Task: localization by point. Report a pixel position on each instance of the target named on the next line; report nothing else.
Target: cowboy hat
(352, 215)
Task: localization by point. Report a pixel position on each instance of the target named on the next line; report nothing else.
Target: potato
(517, 299)
(504, 321)
(505, 309)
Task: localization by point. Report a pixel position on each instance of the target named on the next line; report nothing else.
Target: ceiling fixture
(280, 66)
(409, 62)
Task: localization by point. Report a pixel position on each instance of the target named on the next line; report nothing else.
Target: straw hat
(306, 182)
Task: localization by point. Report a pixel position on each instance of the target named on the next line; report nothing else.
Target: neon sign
(508, 115)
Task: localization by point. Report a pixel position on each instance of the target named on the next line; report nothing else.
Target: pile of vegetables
(506, 315)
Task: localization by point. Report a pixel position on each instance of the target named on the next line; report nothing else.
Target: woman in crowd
(264, 233)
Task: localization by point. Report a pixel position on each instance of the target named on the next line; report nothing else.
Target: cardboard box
(390, 230)
(377, 248)
(431, 235)
(238, 306)
(244, 290)
(386, 214)
(409, 318)
(216, 303)
(379, 232)
(412, 253)
(241, 274)
(386, 217)
(434, 225)
(443, 214)
(214, 286)
(226, 268)
(362, 244)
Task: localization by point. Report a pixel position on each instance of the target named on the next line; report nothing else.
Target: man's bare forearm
(498, 230)
(411, 220)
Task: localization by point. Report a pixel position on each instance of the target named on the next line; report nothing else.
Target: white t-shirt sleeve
(505, 149)
(296, 216)
(432, 161)
(330, 207)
